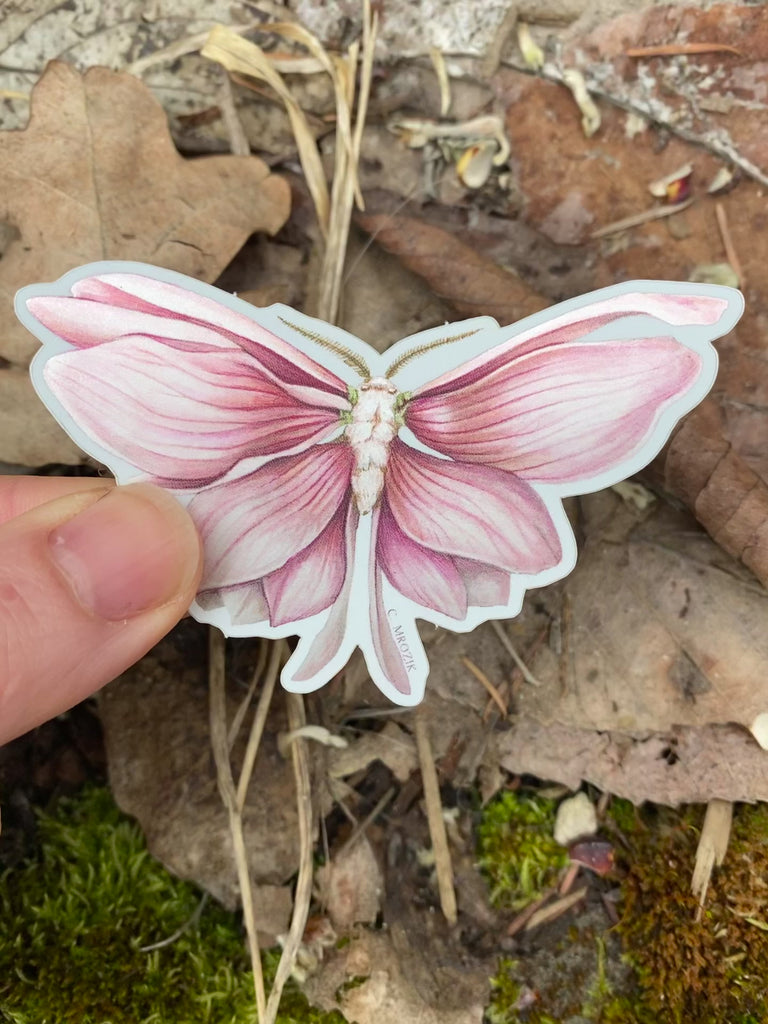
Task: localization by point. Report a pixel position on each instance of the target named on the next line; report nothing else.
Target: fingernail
(131, 551)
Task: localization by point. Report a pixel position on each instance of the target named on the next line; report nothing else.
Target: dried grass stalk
(303, 895)
(237, 54)
(333, 208)
(220, 746)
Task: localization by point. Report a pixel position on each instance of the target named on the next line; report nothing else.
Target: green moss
(506, 991)
(517, 852)
(624, 815)
(712, 970)
(73, 921)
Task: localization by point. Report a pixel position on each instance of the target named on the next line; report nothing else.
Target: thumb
(88, 583)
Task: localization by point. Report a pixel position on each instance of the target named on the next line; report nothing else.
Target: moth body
(371, 430)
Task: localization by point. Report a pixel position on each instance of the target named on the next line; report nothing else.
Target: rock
(576, 817)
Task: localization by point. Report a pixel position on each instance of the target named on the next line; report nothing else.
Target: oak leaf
(95, 176)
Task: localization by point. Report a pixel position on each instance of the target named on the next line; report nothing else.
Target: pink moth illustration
(342, 494)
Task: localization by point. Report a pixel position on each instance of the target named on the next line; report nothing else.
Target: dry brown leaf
(393, 746)
(471, 283)
(350, 886)
(692, 765)
(398, 987)
(729, 499)
(662, 629)
(95, 176)
(155, 720)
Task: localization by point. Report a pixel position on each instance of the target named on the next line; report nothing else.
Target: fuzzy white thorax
(371, 430)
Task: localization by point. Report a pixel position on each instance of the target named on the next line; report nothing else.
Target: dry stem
(303, 895)
(220, 745)
(443, 865)
(508, 646)
(279, 653)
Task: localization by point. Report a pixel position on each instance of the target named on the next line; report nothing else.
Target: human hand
(91, 576)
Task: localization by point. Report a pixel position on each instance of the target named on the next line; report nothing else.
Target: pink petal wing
(385, 646)
(486, 586)
(181, 415)
(470, 511)
(560, 414)
(329, 641)
(427, 577)
(146, 294)
(254, 524)
(675, 309)
(312, 580)
(84, 323)
(245, 603)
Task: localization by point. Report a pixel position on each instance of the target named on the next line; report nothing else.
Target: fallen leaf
(474, 285)
(662, 629)
(702, 468)
(393, 746)
(95, 176)
(393, 984)
(350, 886)
(689, 765)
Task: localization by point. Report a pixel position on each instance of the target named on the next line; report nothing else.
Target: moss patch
(516, 849)
(709, 971)
(73, 920)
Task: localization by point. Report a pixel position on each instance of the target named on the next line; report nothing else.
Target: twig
(279, 651)
(484, 681)
(245, 703)
(633, 221)
(678, 49)
(526, 673)
(521, 920)
(569, 878)
(556, 909)
(437, 832)
(303, 895)
(368, 820)
(730, 249)
(218, 727)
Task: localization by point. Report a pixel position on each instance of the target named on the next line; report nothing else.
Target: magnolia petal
(245, 603)
(486, 586)
(560, 414)
(181, 415)
(678, 310)
(311, 580)
(146, 294)
(476, 512)
(244, 523)
(426, 577)
(329, 641)
(388, 653)
(84, 323)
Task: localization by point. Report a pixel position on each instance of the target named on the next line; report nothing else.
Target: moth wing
(585, 396)
(160, 378)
